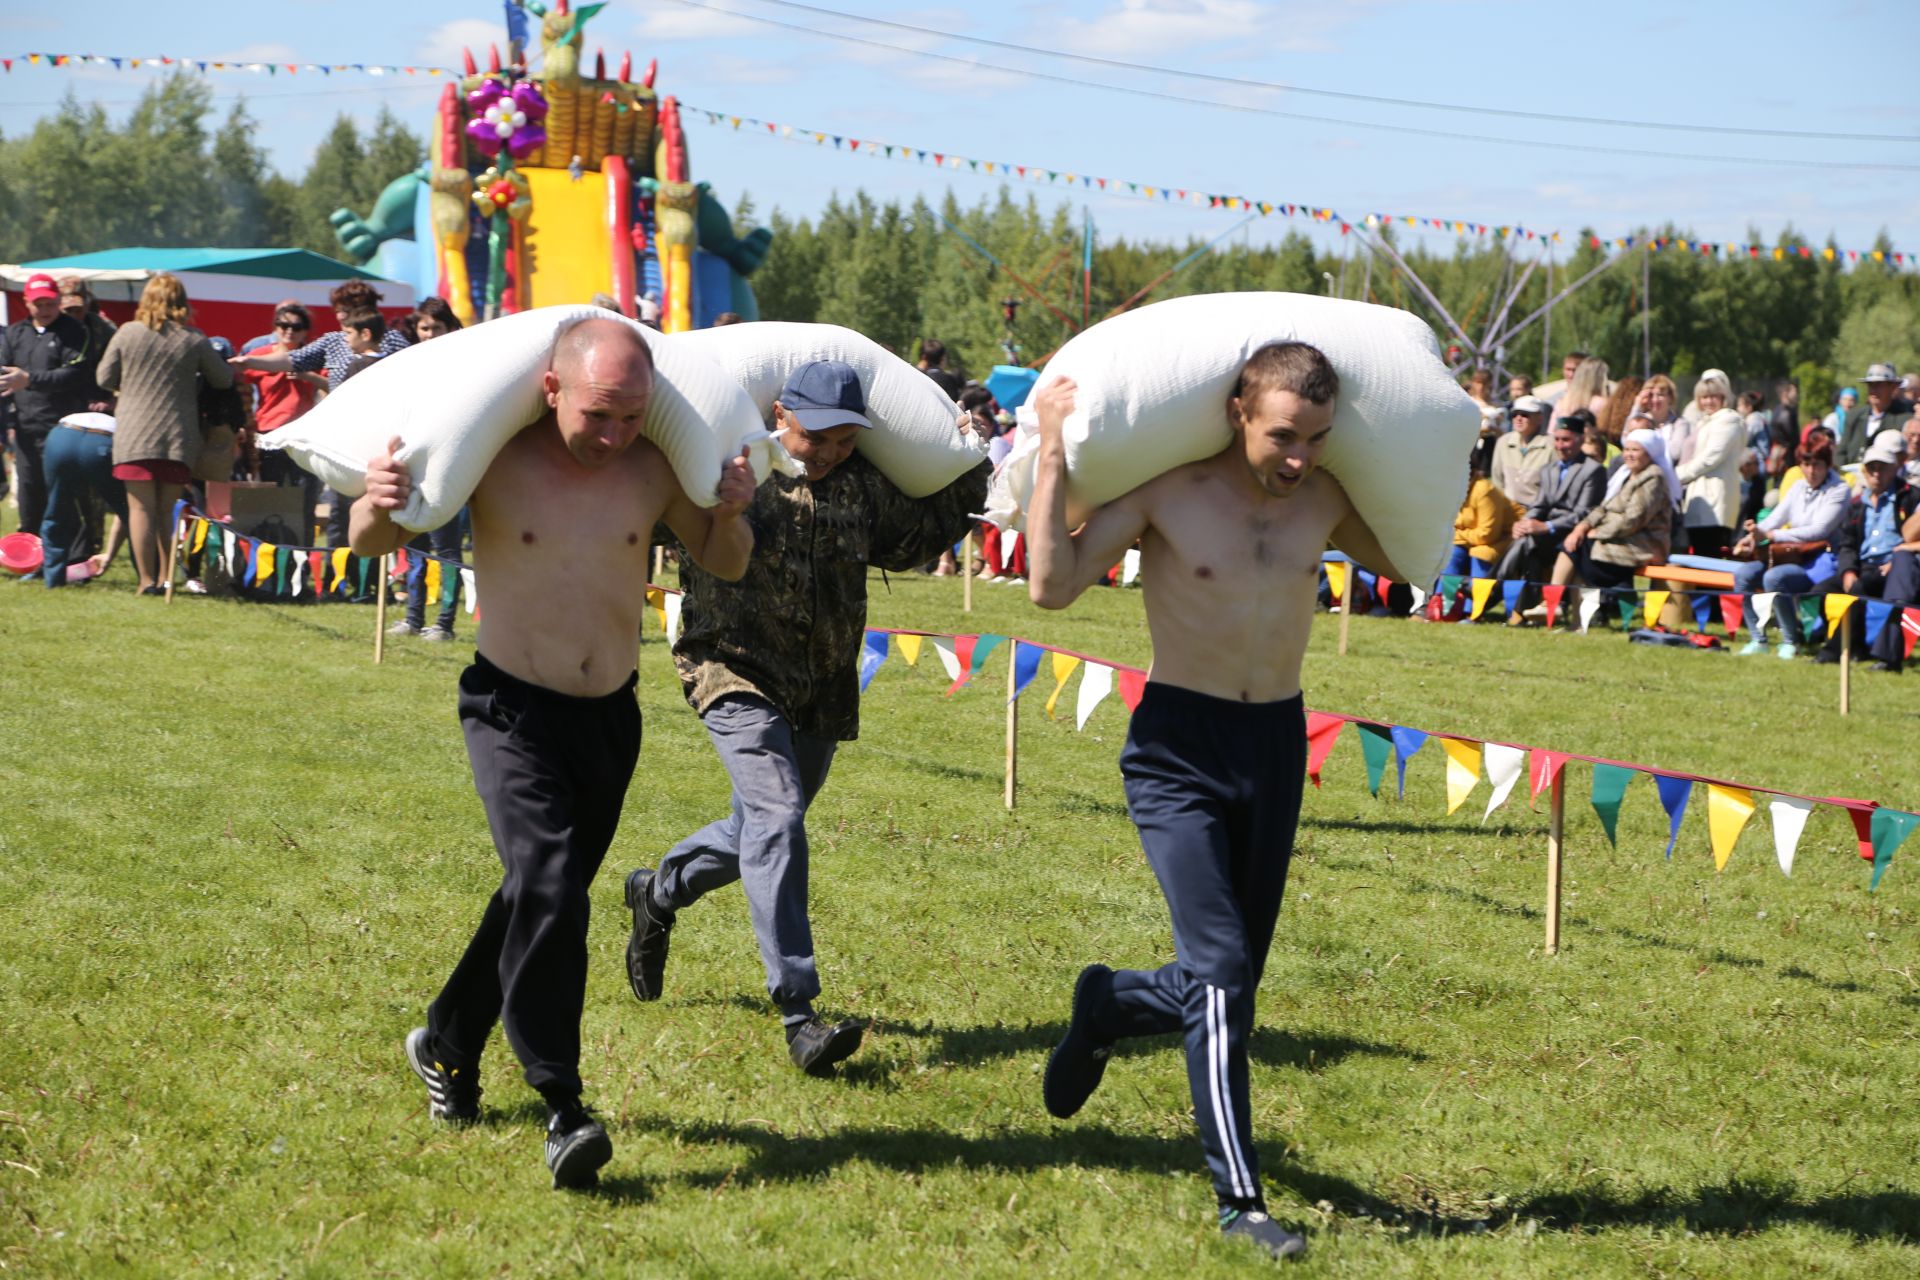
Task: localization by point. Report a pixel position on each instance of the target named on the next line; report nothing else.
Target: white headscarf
(1657, 450)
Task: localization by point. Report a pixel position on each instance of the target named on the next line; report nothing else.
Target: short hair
(605, 301)
(975, 397)
(934, 352)
(1815, 450)
(1750, 401)
(295, 311)
(1785, 385)
(369, 320)
(1523, 380)
(728, 317)
(1661, 382)
(1712, 384)
(1288, 366)
(578, 341)
(354, 295)
(1574, 355)
(442, 314)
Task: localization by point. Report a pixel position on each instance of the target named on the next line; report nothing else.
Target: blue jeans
(1463, 563)
(77, 463)
(1792, 579)
(443, 543)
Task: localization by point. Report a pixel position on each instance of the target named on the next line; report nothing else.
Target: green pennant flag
(1629, 609)
(985, 645)
(1609, 786)
(1812, 615)
(449, 585)
(280, 570)
(1376, 743)
(1891, 827)
(1449, 588)
(362, 579)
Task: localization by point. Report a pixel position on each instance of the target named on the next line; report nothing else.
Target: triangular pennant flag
(1878, 611)
(1336, 579)
(433, 575)
(1609, 787)
(1589, 606)
(1550, 595)
(1510, 595)
(943, 649)
(657, 601)
(1674, 794)
(1095, 685)
(1026, 665)
(466, 584)
(199, 535)
(1702, 605)
(910, 648)
(1463, 769)
(264, 561)
(1651, 604)
(1836, 609)
(1543, 770)
(1504, 764)
(1133, 686)
(1789, 814)
(340, 555)
(873, 653)
(1629, 606)
(1482, 589)
(1891, 827)
(1405, 743)
(1810, 616)
(1063, 665)
(1129, 566)
(1323, 731)
(1376, 744)
(671, 603)
(1449, 587)
(1910, 628)
(1420, 595)
(1763, 610)
(1728, 809)
(1731, 614)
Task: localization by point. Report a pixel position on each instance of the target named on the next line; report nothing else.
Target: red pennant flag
(963, 652)
(1323, 731)
(1861, 811)
(1551, 595)
(1381, 587)
(1344, 228)
(1730, 614)
(1543, 767)
(1132, 685)
(938, 158)
(400, 561)
(1102, 182)
(853, 144)
(1910, 627)
(317, 570)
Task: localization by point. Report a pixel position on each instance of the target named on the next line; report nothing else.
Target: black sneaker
(647, 946)
(576, 1147)
(1256, 1228)
(815, 1046)
(1079, 1060)
(453, 1093)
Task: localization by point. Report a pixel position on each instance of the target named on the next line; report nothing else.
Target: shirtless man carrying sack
(1216, 754)
(561, 524)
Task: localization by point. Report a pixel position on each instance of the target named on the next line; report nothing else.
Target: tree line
(172, 174)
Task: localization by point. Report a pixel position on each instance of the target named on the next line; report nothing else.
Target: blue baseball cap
(825, 394)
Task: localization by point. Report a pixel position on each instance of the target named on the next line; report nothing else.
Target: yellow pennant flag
(1463, 767)
(340, 555)
(1837, 606)
(1728, 809)
(1482, 588)
(909, 648)
(1336, 579)
(263, 568)
(1653, 602)
(433, 580)
(1063, 665)
(199, 535)
(657, 599)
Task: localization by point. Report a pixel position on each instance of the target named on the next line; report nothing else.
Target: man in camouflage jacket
(771, 665)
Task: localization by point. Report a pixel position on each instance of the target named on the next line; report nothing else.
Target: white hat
(1886, 447)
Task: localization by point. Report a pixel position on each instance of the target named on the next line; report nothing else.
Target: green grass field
(241, 859)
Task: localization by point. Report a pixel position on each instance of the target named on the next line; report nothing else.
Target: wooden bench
(1678, 576)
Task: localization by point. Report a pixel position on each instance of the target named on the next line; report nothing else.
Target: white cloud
(1157, 28)
(732, 70)
(441, 47)
(669, 21)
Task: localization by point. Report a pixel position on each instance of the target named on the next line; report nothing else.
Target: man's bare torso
(1230, 575)
(560, 551)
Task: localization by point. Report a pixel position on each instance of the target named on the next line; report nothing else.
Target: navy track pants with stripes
(1214, 787)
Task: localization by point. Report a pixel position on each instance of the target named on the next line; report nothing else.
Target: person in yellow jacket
(1483, 530)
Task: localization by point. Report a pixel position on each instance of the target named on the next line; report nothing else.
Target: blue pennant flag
(1674, 794)
(1878, 611)
(1405, 743)
(1703, 609)
(872, 654)
(516, 23)
(1510, 594)
(1026, 665)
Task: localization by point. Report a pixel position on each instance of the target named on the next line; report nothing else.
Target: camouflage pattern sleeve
(908, 532)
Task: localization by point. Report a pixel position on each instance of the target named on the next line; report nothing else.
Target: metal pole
(1547, 306)
(1381, 246)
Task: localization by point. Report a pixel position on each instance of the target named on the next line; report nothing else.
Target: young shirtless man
(561, 524)
(1216, 754)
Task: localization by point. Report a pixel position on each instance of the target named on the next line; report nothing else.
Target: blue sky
(1754, 65)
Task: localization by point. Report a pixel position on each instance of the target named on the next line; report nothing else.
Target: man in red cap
(47, 362)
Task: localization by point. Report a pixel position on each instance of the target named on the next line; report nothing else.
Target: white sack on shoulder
(1153, 387)
(914, 440)
(454, 403)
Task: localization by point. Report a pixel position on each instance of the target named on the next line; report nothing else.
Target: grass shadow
(1268, 1046)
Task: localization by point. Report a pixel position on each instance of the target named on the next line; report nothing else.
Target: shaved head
(598, 387)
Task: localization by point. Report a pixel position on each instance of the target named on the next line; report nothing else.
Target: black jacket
(60, 365)
(1853, 528)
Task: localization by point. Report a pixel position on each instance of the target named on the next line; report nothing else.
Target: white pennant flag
(1589, 605)
(473, 596)
(1504, 765)
(1789, 814)
(943, 649)
(1763, 611)
(1129, 566)
(1419, 598)
(226, 552)
(295, 578)
(671, 602)
(1095, 684)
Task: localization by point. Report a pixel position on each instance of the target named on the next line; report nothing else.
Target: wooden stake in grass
(1846, 662)
(173, 553)
(380, 614)
(1013, 719)
(966, 573)
(1556, 826)
(659, 562)
(1346, 606)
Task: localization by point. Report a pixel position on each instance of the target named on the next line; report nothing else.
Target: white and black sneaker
(453, 1093)
(577, 1146)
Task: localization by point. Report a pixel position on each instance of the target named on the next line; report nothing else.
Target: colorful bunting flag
(946, 649)
(1026, 665)
(1674, 794)
(1589, 606)
(1336, 579)
(1095, 685)
(1728, 809)
(1376, 744)
(1891, 827)
(1789, 816)
(1504, 765)
(1463, 769)
(1878, 611)
(1811, 619)
(1133, 686)
(873, 655)
(1836, 609)
(1510, 595)
(1609, 788)
(1762, 604)
(1550, 596)
(1629, 606)
(1130, 567)
(1322, 732)
(1482, 588)
(1405, 743)
(1063, 665)
(1543, 771)
(1652, 603)
(670, 619)
(910, 649)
